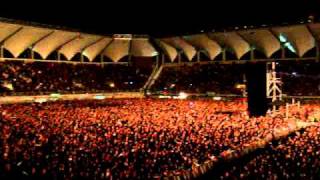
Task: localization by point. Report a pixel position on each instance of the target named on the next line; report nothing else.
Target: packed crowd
(223, 79)
(293, 157)
(219, 79)
(44, 78)
(300, 79)
(148, 138)
(121, 139)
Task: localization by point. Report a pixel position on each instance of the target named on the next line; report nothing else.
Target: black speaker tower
(256, 88)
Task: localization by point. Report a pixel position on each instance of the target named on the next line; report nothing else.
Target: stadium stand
(147, 137)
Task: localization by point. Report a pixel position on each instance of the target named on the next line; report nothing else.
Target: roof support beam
(251, 45)
(129, 51)
(196, 48)
(10, 35)
(317, 42)
(162, 59)
(188, 44)
(198, 56)
(274, 35)
(155, 45)
(223, 48)
(101, 58)
(207, 34)
(101, 52)
(283, 53)
(42, 38)
(35, 43)
(179, 56)
(312, 33)
(224, 54)
(163, 49)
(84, 48)
(243, 38)
(210, 39)
(1, 51)
(207, 52)
(63, 44)
(157, 61)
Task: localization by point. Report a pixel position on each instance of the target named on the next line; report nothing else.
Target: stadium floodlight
(290, 47)
(286, 43)
(183, 95)
(55, 95)
(100, 97)
(155, 53)
(112, 85)
(40, 100)
(282, 38)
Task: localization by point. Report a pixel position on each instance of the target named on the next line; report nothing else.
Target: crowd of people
(215, 78)
(223, 79)
(123, 139)
(299, 78)
(43, 78)
(293, 157)
(150, 138)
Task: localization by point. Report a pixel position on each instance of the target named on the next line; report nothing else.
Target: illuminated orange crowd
(295, 157)
(123, 139)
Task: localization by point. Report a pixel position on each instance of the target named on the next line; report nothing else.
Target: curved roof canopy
(17, 38)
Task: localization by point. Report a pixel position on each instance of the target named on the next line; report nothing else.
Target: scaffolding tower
(274, 91)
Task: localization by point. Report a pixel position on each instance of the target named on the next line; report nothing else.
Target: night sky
(166, 19)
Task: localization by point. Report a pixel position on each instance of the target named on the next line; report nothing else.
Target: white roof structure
(17, 38)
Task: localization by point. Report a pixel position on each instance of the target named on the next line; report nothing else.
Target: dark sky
(166, 19)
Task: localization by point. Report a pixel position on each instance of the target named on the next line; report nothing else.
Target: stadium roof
(17, 37)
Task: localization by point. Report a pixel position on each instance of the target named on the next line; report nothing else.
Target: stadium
(237, 103)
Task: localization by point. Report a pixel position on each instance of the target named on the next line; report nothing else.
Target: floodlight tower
(273, 85)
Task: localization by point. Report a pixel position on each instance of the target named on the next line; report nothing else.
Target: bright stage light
(100, 97)
(40, 100)
(183, 95)
(111, 85)
(55, 95)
